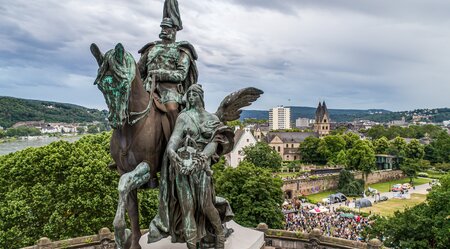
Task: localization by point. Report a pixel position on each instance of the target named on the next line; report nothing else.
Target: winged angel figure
(190, 212)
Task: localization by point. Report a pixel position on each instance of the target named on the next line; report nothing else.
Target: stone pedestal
(241, 238)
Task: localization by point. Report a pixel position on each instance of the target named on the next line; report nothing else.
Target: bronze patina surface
(154, 103)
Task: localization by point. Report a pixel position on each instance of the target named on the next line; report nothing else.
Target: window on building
(287, 145)
(279, 149)
(248, 140)
(292, 145)
(273, 147)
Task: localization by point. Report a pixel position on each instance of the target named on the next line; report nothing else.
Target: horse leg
(128, 182)
(133, 213)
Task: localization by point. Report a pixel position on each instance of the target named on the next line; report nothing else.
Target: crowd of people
(330, 223)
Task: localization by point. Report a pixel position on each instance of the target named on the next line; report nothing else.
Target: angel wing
(230, 106)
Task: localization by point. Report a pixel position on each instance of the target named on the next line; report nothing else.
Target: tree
(81, 129)
(362, 157)
(348, 185)
(309, 151)
(22, 131)
(60, 191)
(92, 129)
(330, 146)
(254, 194)
(410, 167)
(423, 226)
(414, 150)
(235, 123)
(350, 139)
(438, 150)
(381, 145)
(339, 131)
(263, 156)
(255, 121)
(413, 131)
(377, 131)
(397, 147)
(342, 158)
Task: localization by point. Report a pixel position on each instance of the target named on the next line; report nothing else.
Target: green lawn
(319, 196)
(385, 186)
(287, 174)
(434, 174)
(387, 208)
(381, 186)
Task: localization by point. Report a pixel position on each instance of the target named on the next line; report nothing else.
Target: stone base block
(241, 238)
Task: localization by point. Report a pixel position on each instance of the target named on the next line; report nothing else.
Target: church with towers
(322, 122)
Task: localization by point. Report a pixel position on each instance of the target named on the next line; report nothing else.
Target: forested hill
(13, 110)
(337, 115)
(347, 115)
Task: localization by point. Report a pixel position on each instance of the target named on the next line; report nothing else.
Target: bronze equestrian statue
(144, 101)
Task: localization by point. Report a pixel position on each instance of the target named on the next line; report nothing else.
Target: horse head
(117, 70)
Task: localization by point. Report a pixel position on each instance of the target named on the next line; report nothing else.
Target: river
(22, 143)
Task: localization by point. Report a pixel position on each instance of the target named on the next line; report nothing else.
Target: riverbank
(10, 145)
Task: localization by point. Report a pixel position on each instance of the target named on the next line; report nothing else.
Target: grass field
(435, 174)
(319, 196)
(387, 208)
(385, 186)
(287, 174)
(382, 187)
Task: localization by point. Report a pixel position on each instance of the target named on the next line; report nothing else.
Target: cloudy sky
(352, 54)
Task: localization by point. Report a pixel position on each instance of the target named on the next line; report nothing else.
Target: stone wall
(381, 176)
(280, 239)
(103, 240)
(274, 239)
(312, 186)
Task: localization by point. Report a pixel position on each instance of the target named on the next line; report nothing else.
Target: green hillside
(13, 110)
(337, 115)
(348, 115)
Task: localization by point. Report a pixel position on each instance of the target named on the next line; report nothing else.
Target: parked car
(397, 188)
(406, 186)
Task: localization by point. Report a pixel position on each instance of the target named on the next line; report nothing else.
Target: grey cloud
(365, 54)
(417, 10)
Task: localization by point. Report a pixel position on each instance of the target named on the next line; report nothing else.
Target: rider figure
(173, 66)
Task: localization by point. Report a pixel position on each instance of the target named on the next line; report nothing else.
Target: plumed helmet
(166, 22)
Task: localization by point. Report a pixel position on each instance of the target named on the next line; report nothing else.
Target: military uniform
(174, 68)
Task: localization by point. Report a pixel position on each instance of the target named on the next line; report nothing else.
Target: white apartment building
(280, 118)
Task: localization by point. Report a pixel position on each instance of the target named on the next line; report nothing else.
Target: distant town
(280, 131)
(285, 136)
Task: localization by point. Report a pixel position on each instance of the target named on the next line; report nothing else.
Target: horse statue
(141, 132)
(138, 140)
